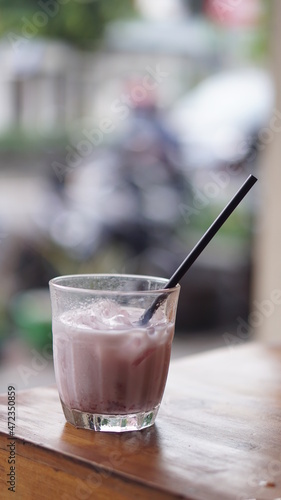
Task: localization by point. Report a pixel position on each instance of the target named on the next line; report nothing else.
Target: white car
(217, 117)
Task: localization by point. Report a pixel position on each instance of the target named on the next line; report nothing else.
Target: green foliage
(80, 22)
(17, 140)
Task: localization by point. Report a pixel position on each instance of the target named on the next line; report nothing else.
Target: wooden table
(217, 436)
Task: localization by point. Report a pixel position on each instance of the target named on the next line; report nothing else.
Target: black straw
(199, 247)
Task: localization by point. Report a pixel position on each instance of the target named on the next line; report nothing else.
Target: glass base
(110, 423)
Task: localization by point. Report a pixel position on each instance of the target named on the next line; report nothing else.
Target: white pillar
(267, 279)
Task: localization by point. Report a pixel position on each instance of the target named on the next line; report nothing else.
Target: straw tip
(253, 178)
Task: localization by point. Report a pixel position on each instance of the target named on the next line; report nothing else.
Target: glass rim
(54, 282)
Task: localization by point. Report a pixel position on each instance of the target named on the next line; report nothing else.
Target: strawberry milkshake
(110, 370)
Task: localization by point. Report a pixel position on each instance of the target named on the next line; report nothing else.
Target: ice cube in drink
(106, 364)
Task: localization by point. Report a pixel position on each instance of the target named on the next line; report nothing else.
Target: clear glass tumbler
(111, 370)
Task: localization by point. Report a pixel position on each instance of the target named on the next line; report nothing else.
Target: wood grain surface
(217, 436)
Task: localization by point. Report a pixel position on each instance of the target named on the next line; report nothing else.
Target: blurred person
(150, 169)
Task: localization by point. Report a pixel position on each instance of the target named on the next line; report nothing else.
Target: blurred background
(125, 127)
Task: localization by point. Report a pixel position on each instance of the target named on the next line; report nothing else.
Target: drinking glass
(111, 369)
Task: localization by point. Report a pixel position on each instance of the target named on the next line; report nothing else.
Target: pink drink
(110, 368)
(106, 364)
